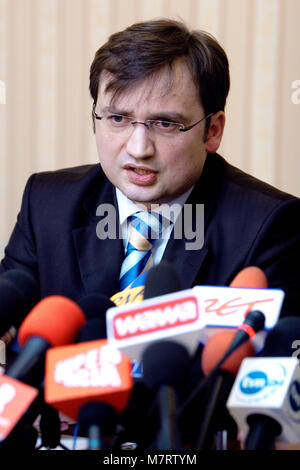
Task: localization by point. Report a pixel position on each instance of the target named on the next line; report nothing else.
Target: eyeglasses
(119, 122)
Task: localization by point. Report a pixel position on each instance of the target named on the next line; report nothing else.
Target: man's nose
(140, 143)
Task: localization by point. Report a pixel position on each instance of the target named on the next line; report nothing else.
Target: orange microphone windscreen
(216, 348)
(252, 277)
(56, 318)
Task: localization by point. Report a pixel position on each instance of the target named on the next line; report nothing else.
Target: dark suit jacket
(247, 222)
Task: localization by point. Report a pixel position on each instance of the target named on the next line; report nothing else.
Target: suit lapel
(189, 262)
(99, 259)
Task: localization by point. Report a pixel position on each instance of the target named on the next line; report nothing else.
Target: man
(159, 93)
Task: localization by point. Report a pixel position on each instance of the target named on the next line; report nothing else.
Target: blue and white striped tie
(144, 229)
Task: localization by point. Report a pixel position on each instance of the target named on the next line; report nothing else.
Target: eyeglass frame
(146, 123)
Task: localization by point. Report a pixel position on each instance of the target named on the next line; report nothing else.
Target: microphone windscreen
(251, 277)
(10, 305)
(57, 319)
(26, 284)
(19, 292)
(161, 279)
(94, 328)
(216, 347)
(99, 414)
(281, 337)
(95, 305)
(165, 363)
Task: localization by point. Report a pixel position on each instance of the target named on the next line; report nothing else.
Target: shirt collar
(127, 207)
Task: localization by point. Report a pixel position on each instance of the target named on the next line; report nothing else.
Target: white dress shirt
(170, 212)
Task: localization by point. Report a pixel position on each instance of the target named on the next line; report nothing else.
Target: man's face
(148, 167)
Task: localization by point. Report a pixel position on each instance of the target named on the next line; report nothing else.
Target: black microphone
(265, 427)
(253, 323)
(161, 279)
(209, 395)
(94, 307)
(19, 293)
(166, 366)
(139, 421)
(50, 428)
(279, 340)
(215, 419)
(96, 420)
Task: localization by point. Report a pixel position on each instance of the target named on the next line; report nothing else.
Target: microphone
(54, 321)
(253, 323)
(189, 316)
(166, 365)
(94, 307)
(161, 279)
(252, 277)
(264, 400)
(85, 372)
(19, 292)
(50, 428)
(220, 376)
(96, 420)
(279, 340)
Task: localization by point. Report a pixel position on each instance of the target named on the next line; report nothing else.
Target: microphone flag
(85, 372)
(15, 399)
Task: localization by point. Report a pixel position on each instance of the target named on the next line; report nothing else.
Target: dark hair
(143, 49)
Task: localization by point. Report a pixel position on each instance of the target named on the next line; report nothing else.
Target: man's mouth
(142, 176)
(141, 171)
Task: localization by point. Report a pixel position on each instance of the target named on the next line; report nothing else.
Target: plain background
(47, 46)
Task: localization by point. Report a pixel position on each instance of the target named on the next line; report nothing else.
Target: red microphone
(215, 349)
(252, 277)
(54, 321)
(221, 374)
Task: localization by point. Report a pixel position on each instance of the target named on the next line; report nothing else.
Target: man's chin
(141, 198)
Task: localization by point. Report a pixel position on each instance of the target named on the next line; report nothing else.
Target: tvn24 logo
(264, 382)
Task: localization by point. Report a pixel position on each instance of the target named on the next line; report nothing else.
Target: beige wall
(46, 47)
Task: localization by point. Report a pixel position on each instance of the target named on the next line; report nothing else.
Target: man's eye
(117, 119)
(166, 125)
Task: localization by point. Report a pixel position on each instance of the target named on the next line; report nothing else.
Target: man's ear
(215, 132)
(93, 118)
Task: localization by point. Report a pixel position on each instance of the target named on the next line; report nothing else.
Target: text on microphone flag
(90, 371)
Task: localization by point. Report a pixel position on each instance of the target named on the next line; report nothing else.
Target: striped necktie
(144, 229)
